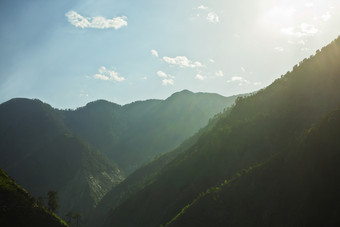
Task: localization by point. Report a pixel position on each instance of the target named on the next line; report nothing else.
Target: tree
(52, 200)
(41, 201)
(78, 216)
(69, 217)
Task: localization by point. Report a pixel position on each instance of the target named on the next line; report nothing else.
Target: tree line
(72, 219)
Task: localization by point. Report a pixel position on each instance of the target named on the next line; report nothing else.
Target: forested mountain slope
(18, 208)
(258, 127)
(298, 187)
(142, 177)
(75, 152)
(134, 133)
(40, 153)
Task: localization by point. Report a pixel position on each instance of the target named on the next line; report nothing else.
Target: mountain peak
(100, 103)
(183, 93)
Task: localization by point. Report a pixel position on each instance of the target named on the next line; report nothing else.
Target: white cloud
(291, 32)
(213, 17)
(257, 83)
(326, 16)
(105, 74)
(304, 30)
(154, 53)
(166, 82)
(200, 77)
(240, 80)
(243, 69)
(182, 62)
(211, 60)
(167, 78)
(101, 77)
(202, 7)
(95, 22)
(308, 28)
(236, 78)
(278, 48)
(219, 73)
(162, 74)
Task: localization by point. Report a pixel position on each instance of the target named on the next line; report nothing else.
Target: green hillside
(257, 128)
(143, 177)
(18, 208)
(298, 187)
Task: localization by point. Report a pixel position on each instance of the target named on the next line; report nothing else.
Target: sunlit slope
(134, 133)
(142, 177)
(298, 187)
(258, 127)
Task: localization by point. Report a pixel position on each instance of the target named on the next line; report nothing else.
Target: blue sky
(68, 53)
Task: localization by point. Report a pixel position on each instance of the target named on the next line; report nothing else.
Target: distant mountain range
(133, 134)
(83, 153)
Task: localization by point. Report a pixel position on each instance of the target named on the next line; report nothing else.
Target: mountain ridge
(256, 128)
(45, 148)
(286, 190)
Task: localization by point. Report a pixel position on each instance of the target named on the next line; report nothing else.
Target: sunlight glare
(279, 16)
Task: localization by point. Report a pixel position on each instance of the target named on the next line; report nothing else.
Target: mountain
(18, 208)
(84, 153)
(257, 128)
(299, 187)
(135, 133)
(41, 154)
(144, 176)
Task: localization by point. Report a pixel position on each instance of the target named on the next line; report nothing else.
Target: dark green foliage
(69, 217)
(19, 209)
(298, 187)
(41, 201)
(78, 216)
(40, 153)
(52, 200)
(257, 128)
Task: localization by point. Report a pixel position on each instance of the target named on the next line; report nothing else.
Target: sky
(68, 53)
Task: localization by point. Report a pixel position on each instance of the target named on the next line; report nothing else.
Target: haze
(70, 53)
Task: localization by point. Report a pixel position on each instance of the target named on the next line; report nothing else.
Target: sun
(279, 16)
